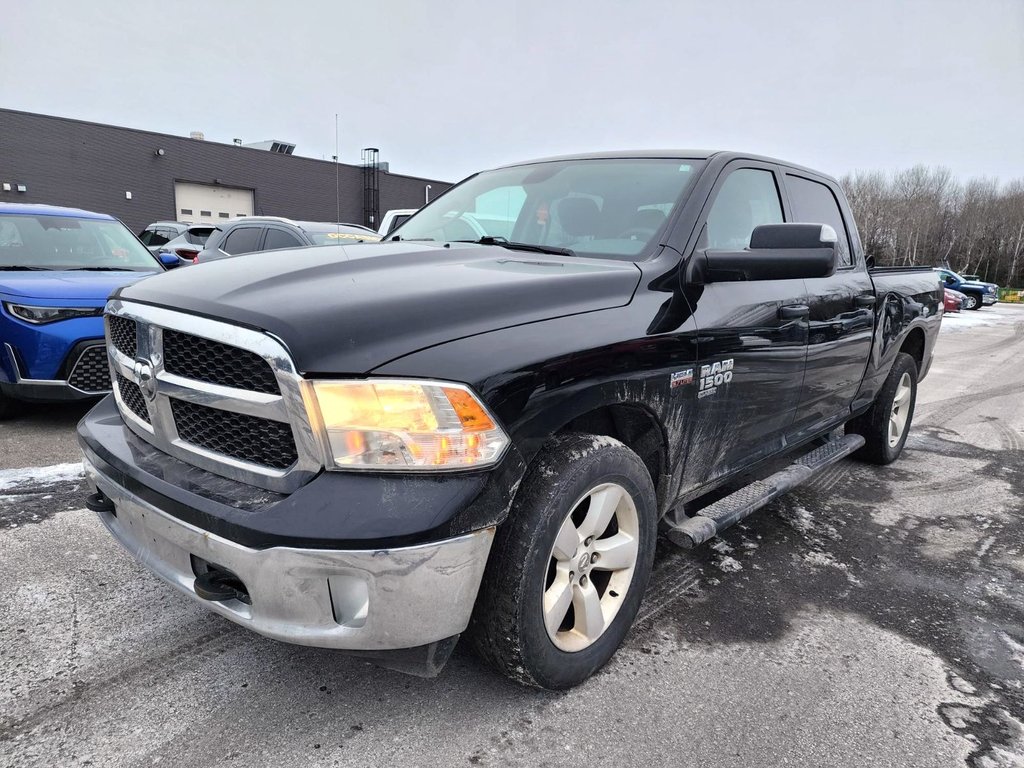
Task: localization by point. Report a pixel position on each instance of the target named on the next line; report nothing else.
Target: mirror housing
(776, 252)
(168, 259)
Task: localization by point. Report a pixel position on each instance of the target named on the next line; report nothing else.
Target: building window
(223, 215)
(205, 213)
(186, 211)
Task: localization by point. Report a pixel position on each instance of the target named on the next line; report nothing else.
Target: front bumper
(76, 366)
(359, 600)
(989, 298)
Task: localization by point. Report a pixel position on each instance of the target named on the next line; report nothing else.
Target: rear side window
(814, 203)
(198, 236)
(278, 238)
(241, 240)
(154, 237)
(748, 198)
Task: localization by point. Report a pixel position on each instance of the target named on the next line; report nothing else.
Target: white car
(393, 219)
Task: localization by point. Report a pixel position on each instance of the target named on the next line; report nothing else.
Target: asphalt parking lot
(874, 617)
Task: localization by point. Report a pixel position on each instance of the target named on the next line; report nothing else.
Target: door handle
(794, 312)
(865, 300)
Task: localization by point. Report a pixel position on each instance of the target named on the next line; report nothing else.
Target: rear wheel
(569, 568)
(886, 424)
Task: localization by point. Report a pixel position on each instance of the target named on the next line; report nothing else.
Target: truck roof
(688, 154)
(31, 209)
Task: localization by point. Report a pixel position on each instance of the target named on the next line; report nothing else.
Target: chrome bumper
(365, 600)
(988, 299)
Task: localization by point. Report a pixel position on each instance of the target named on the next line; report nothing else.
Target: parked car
(393, 219)
(952, 300)
(249, 234)
(453, 432)
(187, 245)
(57, 268)
(977, 293)
(160, 233)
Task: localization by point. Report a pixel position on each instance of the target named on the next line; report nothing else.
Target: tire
(885, 415)
(529, 564)
(972, 301)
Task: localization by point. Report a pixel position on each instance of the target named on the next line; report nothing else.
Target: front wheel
(972, 302)
(886, 424)
(569, 568)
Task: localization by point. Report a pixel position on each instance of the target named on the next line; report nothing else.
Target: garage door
(206, 203)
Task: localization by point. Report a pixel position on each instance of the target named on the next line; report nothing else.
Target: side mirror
(168, 259)
(776, 252)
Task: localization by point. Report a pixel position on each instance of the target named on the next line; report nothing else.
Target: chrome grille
(218, 396)
(132, 397)
(246, 438)
(206, 360)
(91, 372)
(122, 335)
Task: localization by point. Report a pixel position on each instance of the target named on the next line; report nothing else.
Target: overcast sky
(445, 88)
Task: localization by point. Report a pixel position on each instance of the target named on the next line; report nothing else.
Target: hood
(349, 309)
(978, 285)
(70, 286)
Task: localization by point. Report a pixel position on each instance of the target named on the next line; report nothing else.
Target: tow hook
(218, 585)
(99, 502)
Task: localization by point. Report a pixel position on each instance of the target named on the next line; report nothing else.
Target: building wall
(91, 166)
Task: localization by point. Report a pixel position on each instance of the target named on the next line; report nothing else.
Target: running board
(715, 518)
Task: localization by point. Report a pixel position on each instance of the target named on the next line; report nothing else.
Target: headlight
(40, 315)
(396, 424)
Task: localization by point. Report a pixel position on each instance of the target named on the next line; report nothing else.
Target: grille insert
(122, 335)
(238, 435)
(216, 363)
(132, 397)
(91, 372)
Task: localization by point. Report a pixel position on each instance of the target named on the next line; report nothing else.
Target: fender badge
(679, 378)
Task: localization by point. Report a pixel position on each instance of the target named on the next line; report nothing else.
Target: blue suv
(57, 268)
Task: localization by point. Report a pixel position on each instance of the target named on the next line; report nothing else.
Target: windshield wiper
(23, 268)
(514, 246)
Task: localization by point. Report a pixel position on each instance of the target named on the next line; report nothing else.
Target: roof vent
(273, 145)
(197, 135)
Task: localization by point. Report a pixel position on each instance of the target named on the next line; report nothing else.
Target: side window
(154, 237)
(241, 240)
(747, 199)
(814, 203)
(278, 238)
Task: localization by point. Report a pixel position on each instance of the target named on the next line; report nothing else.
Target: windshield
(603, 207)
(338, 234)
(65, 242)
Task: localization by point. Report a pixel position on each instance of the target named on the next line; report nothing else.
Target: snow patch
(729, 564)
(58, 473)
(798, 518)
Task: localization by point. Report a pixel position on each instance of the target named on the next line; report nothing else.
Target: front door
(752, 337)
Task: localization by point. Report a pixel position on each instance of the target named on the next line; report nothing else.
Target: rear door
(751, 350)
(242, 239)
(841, 310)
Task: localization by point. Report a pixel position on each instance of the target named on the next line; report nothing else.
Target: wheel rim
(590, 567)
(900, 410)
(971, 302)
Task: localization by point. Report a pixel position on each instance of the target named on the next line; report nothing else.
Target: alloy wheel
(900, 410)
(591, 567)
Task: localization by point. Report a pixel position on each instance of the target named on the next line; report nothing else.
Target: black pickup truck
(481, 425)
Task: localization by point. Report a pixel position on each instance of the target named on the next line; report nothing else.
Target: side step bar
(714, 518)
